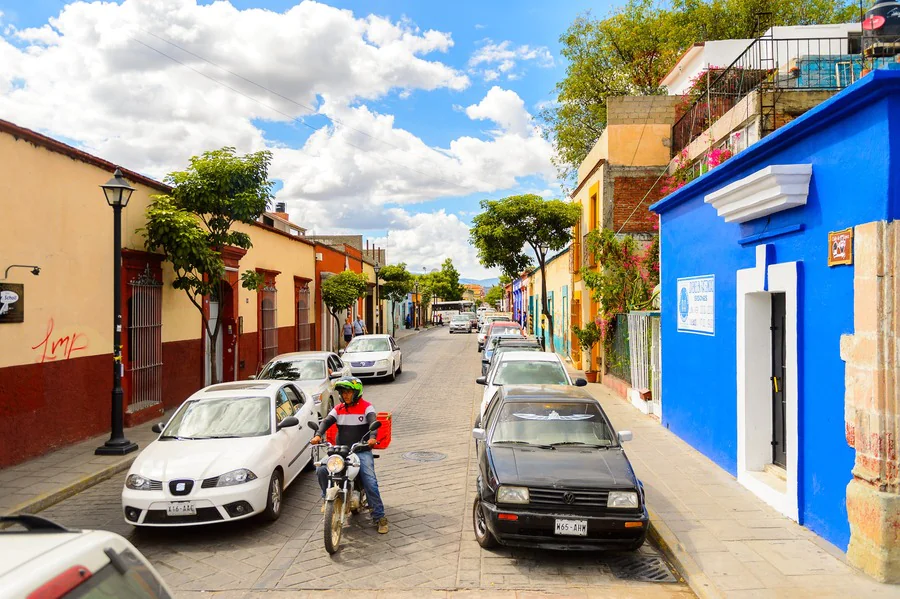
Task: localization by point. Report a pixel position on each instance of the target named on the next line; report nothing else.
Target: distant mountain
(486, 283)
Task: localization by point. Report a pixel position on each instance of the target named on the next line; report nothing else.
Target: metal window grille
(618, 358)
(304, 335)
(145, 341)
(269, 322)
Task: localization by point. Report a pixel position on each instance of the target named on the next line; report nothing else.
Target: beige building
(56, 364)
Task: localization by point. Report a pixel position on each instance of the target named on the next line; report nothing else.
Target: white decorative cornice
(772, 189)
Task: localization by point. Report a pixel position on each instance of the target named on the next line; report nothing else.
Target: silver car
(373, 356)
(313, 371)
(460, 323)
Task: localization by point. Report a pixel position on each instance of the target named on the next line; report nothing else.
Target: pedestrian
(408, 321)
(359, 327)
(348, 330)
(441, 319)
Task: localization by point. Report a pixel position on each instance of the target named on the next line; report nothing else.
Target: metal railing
(772, 64)
(618, 355)
(144, 342)
(588, 256)
(643, 344)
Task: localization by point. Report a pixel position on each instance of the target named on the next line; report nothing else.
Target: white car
(227, 453)
(482, 335)
(313, 371)
(48, 560)
(460, 324)
(373, 356)
(525, 368)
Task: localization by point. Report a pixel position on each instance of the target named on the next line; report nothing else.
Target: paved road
(431, 544)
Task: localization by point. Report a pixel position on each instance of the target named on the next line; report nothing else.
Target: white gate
(643, 336)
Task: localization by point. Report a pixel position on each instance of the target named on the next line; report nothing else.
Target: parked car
(313, 372)
(473, 320)
(227, 453)
(482, 335)
(48, 560)
(508, 345)
(498, 317)
(373, 356)
(503, 327)
(552, 474)
(460, 323)
(525, 368)
(491, 344)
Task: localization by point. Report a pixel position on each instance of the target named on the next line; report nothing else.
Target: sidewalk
(38, 483)
(725, 541)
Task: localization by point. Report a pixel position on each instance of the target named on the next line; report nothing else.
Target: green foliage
(443, 283)
(343, 289)
(588, 336)
(494, 295)
(637, 44)
(397, 282)
(507, 227)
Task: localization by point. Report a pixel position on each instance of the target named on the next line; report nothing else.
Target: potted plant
(588, 337)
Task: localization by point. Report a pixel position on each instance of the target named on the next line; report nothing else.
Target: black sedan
(552, 474)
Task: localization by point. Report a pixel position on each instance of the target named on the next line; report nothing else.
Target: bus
(448, 309)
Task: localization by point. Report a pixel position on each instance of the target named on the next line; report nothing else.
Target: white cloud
(491, 59)
(505, 108)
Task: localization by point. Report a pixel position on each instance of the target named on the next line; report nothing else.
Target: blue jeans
(367, 477)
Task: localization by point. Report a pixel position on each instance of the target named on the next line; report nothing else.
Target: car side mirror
(478, 434)
(312, 425)
(580, 382)
(482, 380)
(157, 428)
(625, 436)
(340, 352)
(375, 425)
(288, 422)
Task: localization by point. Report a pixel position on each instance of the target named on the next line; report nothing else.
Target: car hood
(366, 356)
(563, 468)
(167, 460)
(312, 387)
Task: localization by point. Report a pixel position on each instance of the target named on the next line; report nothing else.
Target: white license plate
(181, 508)
(577, 528)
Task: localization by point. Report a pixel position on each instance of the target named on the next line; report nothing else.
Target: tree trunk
(212, 338)
(337, 324)
(541, 259)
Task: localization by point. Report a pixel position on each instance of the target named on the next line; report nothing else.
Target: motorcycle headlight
(622, 499)
(512, 495)
(235, 477)
(335, 464)
(137, 482)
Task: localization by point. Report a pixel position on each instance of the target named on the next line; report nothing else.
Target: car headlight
(622, 499)
(317, 398)
(235, 477)
(137, 482)
(382, 362)
(335, 464)
(512, 495)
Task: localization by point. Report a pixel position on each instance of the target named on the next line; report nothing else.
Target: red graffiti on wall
(59, 348)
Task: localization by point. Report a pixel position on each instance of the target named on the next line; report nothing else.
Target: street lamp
(377, 302)
(117, 192)
(415, 306)
(433, 302)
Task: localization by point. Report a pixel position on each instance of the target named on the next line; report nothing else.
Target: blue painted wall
(848, 142)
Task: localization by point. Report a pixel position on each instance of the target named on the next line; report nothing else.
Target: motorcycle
(345, 493)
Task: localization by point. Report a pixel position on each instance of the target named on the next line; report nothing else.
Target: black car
(552, 474)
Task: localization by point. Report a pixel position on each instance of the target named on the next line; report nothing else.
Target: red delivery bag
(382, 435)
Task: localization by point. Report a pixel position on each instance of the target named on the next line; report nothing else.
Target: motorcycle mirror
(312, 425)
(375, 426)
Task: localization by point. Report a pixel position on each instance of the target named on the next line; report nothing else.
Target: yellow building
(558, 291)
(617, 182)
(56, 364)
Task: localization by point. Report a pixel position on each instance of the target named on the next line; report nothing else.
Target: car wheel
(400, 369)
(393, 375)
(479, 523)
(274, 497)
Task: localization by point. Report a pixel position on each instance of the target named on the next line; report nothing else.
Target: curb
(685, 565)
(44, 501)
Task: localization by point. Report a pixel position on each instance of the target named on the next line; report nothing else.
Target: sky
(393, 119)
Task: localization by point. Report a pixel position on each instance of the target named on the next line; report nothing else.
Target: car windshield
(505, 330)
(294, 370)
(526, 372)
(552, 423)
(221, 418)
(460, 318)
(361, 344)
(485, 328)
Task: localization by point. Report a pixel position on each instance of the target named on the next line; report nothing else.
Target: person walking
(348, 330)
(359, 327)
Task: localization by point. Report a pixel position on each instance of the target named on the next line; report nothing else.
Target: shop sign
(697, 305)
(12, 303)
(840, 247)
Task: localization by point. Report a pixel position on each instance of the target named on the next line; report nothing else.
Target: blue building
(774, 277)
(520, 292)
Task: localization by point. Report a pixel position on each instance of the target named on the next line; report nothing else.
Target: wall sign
(12, 302)
(840, 247)
(697, 305)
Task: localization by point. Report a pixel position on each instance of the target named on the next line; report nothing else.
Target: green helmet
(352, 383)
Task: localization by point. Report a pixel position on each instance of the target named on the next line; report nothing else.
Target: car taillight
(61, 584)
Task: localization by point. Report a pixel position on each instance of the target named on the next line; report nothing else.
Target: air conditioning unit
(319, 257)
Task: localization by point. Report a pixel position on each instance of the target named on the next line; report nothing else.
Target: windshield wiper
(523, 443)
(221, 437)
(177, 438)
(580, 444)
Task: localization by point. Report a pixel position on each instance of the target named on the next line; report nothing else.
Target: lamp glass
(117, 190)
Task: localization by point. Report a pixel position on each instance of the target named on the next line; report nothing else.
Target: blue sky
(437, 117)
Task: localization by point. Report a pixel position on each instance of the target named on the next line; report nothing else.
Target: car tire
(274, 497)
(479, 523)
(400, 369)
(393, 375)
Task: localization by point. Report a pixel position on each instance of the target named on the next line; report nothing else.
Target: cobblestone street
(430, 546)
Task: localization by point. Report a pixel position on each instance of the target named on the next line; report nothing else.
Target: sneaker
(322, 509)
(382, 524)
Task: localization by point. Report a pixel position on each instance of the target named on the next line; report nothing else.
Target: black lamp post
(117, 192)
(415, 307)
(378, 327)
(433, 302)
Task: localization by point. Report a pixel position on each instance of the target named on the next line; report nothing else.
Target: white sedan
(227, 453)
(525, 368)
(372, 356)
(314, 372)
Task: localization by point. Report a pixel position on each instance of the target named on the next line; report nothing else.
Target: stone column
(871, 404)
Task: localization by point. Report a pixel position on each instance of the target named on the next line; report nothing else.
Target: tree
(191, 225)
(494, 296)
(341, 291)
(506, 227)
(634, 47)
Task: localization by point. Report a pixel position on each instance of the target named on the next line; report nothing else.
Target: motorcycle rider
(353, 417)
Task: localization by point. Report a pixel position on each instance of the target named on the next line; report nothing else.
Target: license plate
(577, 528)
(181, 508)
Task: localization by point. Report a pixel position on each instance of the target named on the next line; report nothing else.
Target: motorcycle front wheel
(333, 527)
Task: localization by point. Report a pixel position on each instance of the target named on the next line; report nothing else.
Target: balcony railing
(588, 256)
(777, 64)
